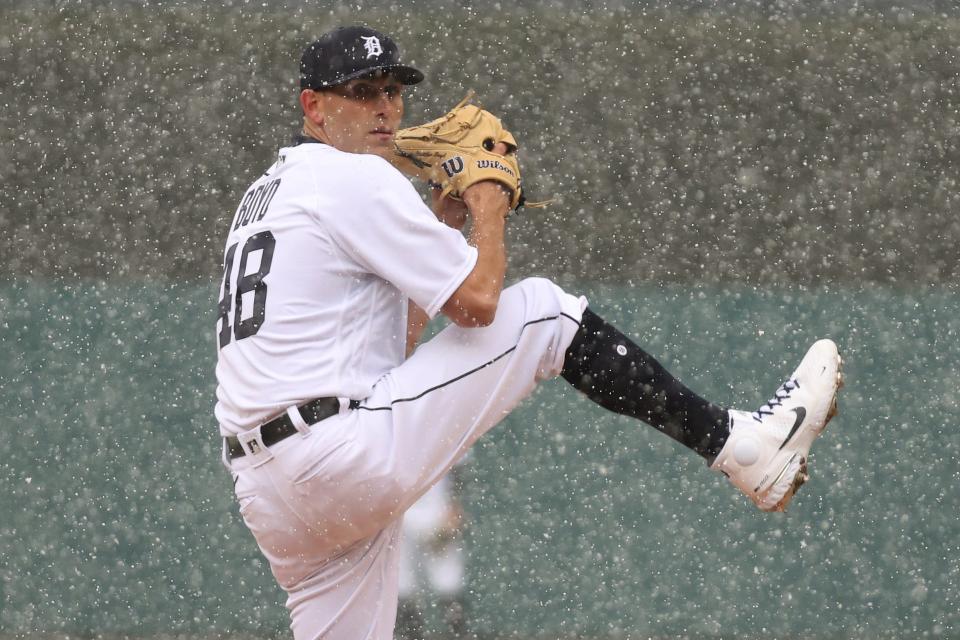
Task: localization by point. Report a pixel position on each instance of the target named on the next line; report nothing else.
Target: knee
(540, 292)
(542, 299)
(537, 284)
(545, 301)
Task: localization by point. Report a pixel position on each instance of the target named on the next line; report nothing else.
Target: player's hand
(500, 149)
(488, 195)
(450, 212)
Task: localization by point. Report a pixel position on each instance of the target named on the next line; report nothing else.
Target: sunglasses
(366, 92)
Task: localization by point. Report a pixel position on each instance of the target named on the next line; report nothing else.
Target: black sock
(620, 376)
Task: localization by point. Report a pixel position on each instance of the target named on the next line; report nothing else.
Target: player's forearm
(487, 236)
(474, 303)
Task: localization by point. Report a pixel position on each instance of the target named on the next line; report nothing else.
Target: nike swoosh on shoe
(801, 414)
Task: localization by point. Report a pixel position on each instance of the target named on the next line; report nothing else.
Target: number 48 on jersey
(246, 283)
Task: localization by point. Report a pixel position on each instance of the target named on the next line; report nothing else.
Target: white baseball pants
(325, 506)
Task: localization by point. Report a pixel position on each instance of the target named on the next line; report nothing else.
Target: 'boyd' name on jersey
(255, 204)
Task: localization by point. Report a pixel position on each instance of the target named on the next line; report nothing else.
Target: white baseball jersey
(322, 255)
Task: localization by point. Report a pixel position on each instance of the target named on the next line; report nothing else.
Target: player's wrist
(450, 212)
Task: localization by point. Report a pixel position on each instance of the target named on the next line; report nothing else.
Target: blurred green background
(733, 181)
(118, 517)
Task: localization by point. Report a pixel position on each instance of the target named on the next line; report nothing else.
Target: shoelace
(779, 396)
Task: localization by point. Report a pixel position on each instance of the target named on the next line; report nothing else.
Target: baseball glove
(455, 151)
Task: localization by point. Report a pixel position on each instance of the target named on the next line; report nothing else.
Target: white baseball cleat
(765, 455)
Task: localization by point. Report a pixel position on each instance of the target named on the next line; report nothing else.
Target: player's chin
(380, 145)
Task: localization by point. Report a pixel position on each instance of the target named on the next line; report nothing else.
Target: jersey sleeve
(392, 233)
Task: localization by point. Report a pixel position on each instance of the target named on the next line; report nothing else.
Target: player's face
(362, 116)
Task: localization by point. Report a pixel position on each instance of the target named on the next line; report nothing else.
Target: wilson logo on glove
(453, 166)
(494, 164)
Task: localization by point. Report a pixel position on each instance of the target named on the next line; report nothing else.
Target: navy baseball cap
(351, 52)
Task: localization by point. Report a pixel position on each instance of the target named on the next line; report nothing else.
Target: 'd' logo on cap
(372, 45)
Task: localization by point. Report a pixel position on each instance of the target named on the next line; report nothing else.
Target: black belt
(282, 427)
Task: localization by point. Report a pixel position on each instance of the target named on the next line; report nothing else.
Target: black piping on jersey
(472, 371)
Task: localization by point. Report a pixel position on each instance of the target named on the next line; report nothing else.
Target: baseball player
(333, 263)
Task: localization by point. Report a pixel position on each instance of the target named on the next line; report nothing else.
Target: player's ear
(312, 104)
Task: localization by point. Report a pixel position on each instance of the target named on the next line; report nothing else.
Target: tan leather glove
(455, 151)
